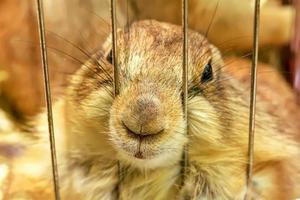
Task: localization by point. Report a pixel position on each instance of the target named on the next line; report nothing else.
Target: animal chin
(139, 155)
(140, 150)
(149, 156)
(144, 159)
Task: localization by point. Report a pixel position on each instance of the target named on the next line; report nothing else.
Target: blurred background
(77, 27)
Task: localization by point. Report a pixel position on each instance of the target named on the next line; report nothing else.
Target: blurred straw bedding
(21, 83)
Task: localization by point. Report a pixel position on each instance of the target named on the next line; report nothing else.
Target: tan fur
(91, 138)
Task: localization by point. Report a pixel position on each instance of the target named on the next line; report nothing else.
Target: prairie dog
(143, 127)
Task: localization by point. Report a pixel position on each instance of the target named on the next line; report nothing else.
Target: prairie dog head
(145, 124)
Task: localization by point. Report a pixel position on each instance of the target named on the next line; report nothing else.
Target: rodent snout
(144, 117)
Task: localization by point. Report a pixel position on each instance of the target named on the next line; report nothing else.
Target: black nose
(144, 116)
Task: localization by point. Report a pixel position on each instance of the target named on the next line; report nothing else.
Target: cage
(185, 159)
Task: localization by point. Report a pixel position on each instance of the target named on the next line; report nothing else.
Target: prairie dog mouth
(137, 148)
(141, 135)
(144, 139)
(141, 150)
(139, 154)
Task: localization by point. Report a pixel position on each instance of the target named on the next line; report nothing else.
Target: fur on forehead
(152, 48)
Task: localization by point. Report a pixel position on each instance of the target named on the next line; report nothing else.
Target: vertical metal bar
(253, 97)
(116, 74)
(114, 46)
(185, 80)
(41, 26)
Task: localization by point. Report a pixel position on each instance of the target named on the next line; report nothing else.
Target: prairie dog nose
(144, 116)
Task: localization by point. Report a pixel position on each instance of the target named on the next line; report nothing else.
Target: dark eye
(109, 57)
(207, 74)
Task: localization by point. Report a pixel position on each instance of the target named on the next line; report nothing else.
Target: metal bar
(114, 46)
(185, 161)
(116, 74)
(253, 98)
(41, 26)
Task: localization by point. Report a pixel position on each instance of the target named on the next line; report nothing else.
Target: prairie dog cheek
(97, 104)
(203, 125)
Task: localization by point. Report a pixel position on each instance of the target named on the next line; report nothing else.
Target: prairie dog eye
(207, 74)
(109, 57)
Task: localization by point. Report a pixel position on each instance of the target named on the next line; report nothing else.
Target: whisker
(212, 19)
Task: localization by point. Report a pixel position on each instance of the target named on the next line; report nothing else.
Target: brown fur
(91, 137)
